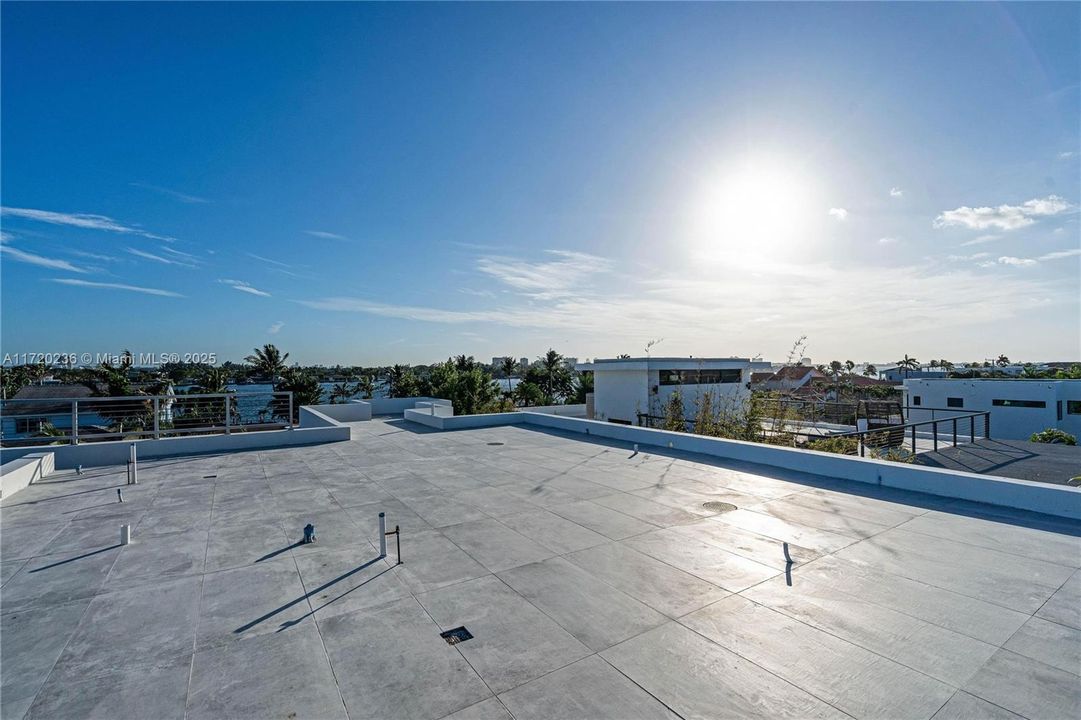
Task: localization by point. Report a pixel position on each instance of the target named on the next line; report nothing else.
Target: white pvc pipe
(125, 534)
(134, 465)
(382, 534)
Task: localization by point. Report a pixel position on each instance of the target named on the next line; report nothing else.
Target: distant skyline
(379, 183)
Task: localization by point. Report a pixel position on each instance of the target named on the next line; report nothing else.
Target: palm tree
(850, 366)
(401, 382)
(933, 363)
(213, 381)
(908, 363)
(946, 365)
(366, 385)
(554, 375)
(343, 391)
(1002, 361)
(835, 369)
(269, 361)
(870, 370)
(508, 367)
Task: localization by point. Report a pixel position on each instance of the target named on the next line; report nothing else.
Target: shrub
(1054, 436)
(840, 445)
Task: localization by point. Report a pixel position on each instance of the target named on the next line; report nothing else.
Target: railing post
(955, 431)
(987, 426)
(972, 428)
(861, 446)
(157, 418)
(913, 439)
(934, 434)
(228, 414)
(74, 422)
(290, 408)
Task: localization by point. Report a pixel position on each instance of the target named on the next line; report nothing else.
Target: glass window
(1073, 407)
(1019, 403)
(1058, 409)
(700, 377)
(916, 399)
(955, 402)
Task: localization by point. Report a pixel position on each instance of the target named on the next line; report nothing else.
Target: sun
(754, 210)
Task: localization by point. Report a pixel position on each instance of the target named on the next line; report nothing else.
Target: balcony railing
(62, 421)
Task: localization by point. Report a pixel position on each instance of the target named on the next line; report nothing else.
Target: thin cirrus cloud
(39, 260)
(116, 286)
(176, 195)
(1029, 262)
(980, 240)
(182, 259)
(80, 220)
(896, 192)
(887, 240)
(325, 235)
(1002, 217)
(275, 328)
(839, 214)
(547, 279)
(244, 287)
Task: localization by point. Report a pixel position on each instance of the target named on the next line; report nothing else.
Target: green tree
(469, 387)
(1002, 361)
(705, 416)
(674, 414)
(343, 391)
(268, 361)
(554, 375)
(870, 370)
(508, 366)
(908, 364)
(401, 382)
(527, 393)
(366, 386)
(305, 388)
(583, 386)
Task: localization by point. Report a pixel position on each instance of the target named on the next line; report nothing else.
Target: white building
(1018, 407)
(625, 388)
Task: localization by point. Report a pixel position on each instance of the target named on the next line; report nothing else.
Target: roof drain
(456, 635)
(719, 507)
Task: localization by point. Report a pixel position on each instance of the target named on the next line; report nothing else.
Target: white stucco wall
(1008, 423)
(621, 394)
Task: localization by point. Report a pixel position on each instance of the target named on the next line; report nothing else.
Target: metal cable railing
(26, 422)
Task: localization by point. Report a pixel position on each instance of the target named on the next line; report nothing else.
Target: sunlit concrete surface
(595, 581)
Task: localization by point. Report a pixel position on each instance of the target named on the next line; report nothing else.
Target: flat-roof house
(626, 390)
(1019, 407)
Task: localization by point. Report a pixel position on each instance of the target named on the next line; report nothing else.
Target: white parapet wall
(21, 472)
(315, 428)
(1059, 500)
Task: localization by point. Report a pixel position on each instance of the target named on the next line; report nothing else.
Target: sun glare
(755, 210)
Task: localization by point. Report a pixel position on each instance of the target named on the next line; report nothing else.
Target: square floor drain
(457, 635)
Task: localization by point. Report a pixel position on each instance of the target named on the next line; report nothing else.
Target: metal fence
(62, 421)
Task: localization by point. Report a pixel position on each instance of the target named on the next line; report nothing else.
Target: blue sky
(381, 183)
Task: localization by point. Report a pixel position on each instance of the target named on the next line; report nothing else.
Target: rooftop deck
(596, 583)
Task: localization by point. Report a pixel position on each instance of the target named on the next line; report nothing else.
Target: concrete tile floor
(595, 583)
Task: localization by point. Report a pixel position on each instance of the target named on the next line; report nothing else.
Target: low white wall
(1059, 500)
(578, 411)
(347, 412)
(17, 474)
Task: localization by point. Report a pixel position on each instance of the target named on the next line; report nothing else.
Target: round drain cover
(716, 506)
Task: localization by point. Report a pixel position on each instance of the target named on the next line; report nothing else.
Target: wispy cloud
(183, 262)
(1066, 155)
(244, 287)
(896, 192)
(94, 256)
(980, 240)
(325, 235)
(116, 286)
(1060, 254)
(268, 261)
(964, 258)
(1015, 261)
(39, 260)
(887, 240)
(1003, 217)
(545, 279)
(275, 328)
(79, 220)
(840, 214)
(182, 197)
